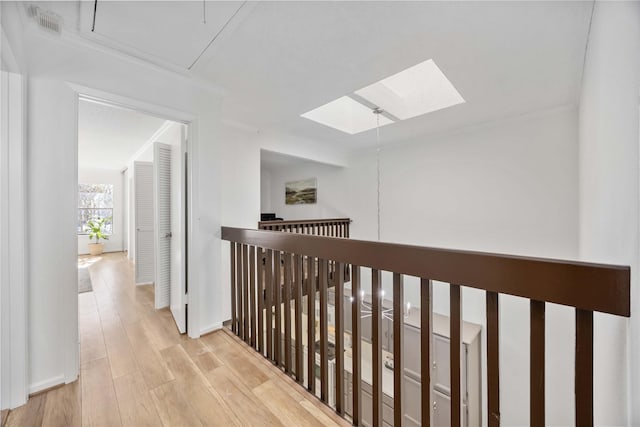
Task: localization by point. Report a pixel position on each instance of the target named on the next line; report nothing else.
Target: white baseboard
(211, 328)
(43, 385)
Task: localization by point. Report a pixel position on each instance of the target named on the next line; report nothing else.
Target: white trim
(191, 121)
(71, 327)
(13, 204)
(43, 385)
(211, 328)
(193, 208)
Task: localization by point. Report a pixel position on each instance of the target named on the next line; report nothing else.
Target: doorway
(132, 205)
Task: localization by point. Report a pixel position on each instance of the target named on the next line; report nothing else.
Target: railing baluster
(584, 368)
(356, 329)
(455, 353)
(376, 349)
(339, 316)
(252, 293)
(287, 312)
(245, 293)
(493, 360)
(426, 326)
(239, 268)
(261, 295)
(298, 310)
(269, 303)
(277, 339)
(324, 332)
(398, 346)
(537, 368)
(311, 324)
(234, 302)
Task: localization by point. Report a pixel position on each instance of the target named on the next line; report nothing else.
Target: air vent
(46, 20)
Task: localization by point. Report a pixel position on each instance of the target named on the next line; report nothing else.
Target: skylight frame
(415, 91)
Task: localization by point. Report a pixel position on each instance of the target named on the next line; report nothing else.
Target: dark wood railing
(587, 287)
(334, 227)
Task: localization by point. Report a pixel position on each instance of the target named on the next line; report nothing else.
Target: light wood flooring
(136, 370)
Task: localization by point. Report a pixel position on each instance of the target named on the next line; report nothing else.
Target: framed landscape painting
(301, 192)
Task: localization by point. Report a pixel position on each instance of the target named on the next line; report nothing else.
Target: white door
(144, 222)
(179, 228)
(162, 187)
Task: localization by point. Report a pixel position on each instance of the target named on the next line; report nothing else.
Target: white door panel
(144, 222)
(178, 225)
(162, 185)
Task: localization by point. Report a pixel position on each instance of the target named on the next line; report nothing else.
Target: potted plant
(95, 227)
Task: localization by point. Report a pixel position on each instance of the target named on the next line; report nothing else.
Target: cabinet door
(365, 325)
(442, 410)
(412, 403)
(441, 366)
(367, 408)
(411, 351)
(347, 313)
(387, 338)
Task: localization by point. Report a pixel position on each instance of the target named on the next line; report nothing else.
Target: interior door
(163, 235)
(144, 222)
(179, 188)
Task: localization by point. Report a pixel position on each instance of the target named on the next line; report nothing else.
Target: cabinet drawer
(441, 366)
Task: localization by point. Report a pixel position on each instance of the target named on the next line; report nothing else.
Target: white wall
(329, 191)
(265, 189)
(115, 243)
(52, 194)
(609, 192)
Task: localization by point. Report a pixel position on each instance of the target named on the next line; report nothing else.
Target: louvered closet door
(162, 177)
(144, 222)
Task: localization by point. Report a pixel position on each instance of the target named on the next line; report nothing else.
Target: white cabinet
(442, 410)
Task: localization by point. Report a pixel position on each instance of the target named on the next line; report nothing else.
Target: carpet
(84, 280)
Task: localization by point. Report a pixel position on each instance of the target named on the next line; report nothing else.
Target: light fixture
(366, 309)
(417, 90)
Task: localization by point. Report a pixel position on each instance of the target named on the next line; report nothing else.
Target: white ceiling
(277, 60)
(272, 161)
(108, 136)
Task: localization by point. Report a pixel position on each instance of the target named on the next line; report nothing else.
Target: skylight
(417, 90)
(347, 115)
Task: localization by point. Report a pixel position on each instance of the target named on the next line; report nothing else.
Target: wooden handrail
(595, 287)
(276, 268)
(331, 227)
(303, 221)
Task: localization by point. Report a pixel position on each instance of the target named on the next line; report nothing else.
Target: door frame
(190, 120)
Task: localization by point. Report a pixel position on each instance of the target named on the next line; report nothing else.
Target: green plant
(95, 227)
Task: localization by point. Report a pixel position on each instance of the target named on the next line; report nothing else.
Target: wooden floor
(136, 370)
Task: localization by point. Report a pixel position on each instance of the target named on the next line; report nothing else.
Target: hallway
(136, 370)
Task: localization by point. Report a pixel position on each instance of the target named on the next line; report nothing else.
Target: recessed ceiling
(109, 136)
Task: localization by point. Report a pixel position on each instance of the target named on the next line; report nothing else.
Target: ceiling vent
(46, 20)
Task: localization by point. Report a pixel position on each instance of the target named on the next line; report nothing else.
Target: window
(95, 201)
